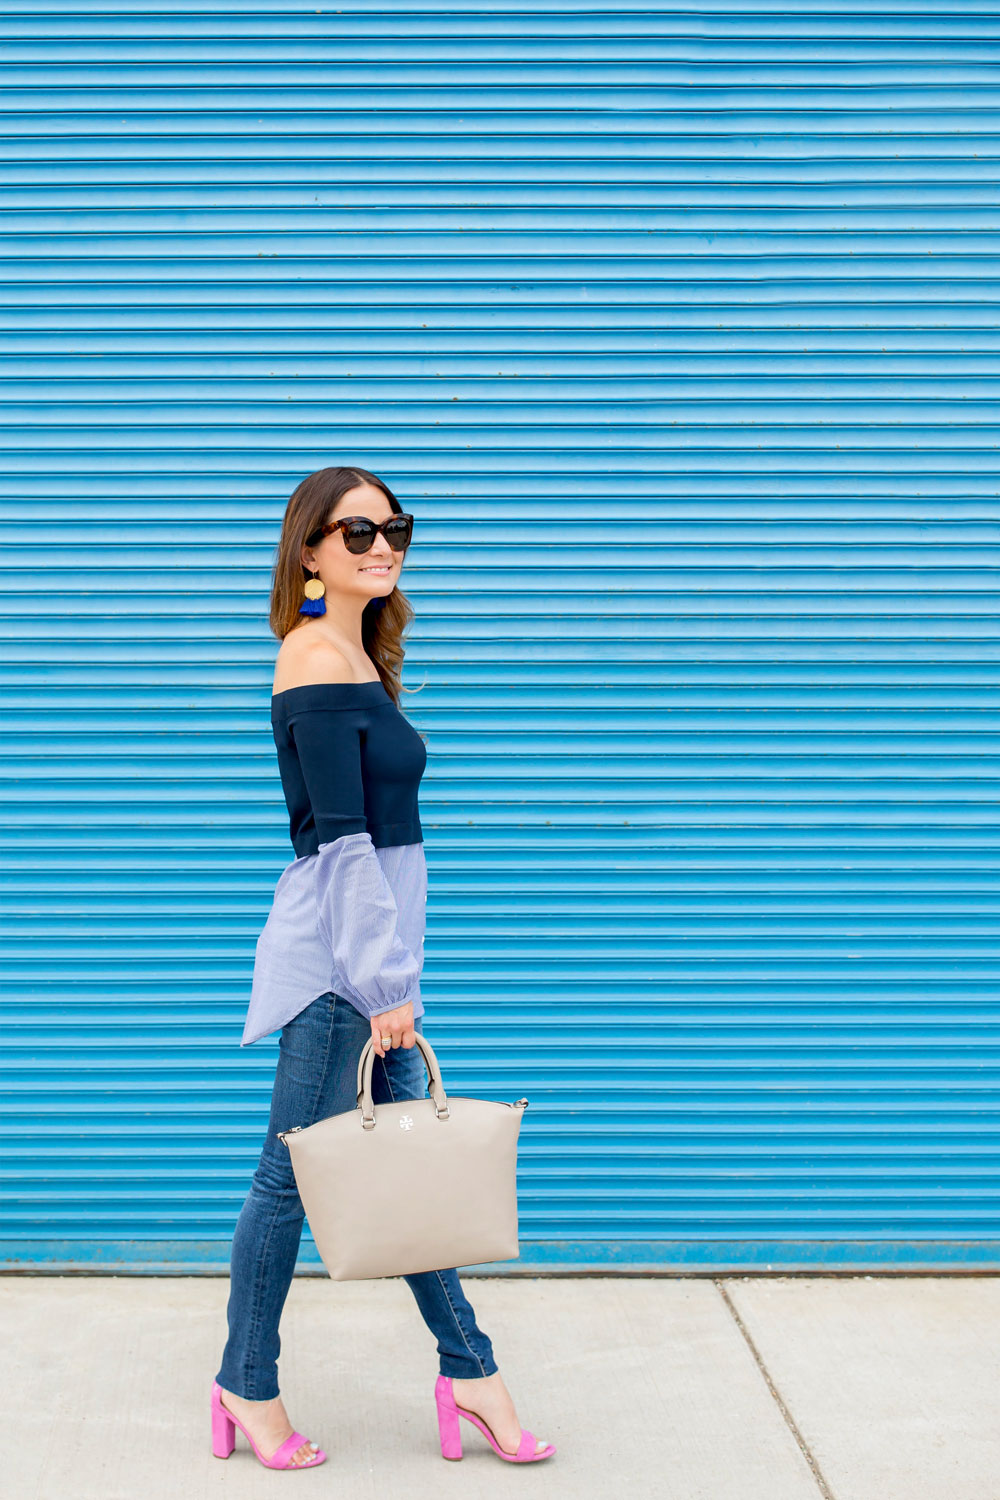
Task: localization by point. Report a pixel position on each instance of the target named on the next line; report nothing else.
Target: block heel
(449, 1427)
(223, 1432)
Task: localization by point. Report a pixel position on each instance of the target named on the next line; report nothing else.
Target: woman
(340, 957)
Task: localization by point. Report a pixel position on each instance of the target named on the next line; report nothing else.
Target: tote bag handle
(366, 1065)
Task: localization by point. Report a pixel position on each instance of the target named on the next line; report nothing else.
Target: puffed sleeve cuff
(357, 917)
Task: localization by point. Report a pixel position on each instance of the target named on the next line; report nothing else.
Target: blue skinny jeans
(316, 1076)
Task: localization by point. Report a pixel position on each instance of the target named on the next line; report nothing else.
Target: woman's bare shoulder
(304, 658)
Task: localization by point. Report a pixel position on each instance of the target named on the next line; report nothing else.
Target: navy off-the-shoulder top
(349, 761)
(349, 912)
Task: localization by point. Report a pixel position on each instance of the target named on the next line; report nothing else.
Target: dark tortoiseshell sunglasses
(360, 533)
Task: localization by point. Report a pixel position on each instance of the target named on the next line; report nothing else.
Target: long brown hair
(384, 620)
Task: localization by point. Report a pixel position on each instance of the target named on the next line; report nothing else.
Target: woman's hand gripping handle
(397, 1025)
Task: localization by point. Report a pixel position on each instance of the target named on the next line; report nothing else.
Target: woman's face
(372, 574)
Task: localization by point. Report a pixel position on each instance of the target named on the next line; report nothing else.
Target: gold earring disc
(315, 588)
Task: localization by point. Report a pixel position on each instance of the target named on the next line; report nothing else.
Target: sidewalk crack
(790, 1421)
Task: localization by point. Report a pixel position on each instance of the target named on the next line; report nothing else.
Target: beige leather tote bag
(418, 1185)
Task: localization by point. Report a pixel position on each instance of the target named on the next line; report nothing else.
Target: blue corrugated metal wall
(678, 331)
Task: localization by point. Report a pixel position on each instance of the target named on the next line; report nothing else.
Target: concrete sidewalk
(733, 1388)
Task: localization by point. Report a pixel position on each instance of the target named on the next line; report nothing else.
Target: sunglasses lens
(359, 536)
(397, 533)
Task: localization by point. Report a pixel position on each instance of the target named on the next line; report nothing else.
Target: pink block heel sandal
(225, 1423)
(451, 1438)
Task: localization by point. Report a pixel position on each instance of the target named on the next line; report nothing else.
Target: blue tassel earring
(315, 589)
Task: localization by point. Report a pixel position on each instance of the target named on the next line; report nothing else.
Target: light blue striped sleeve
(358, 918)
